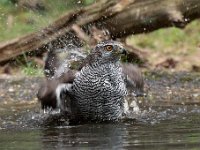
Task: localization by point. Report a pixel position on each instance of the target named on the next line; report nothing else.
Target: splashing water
(167, 117)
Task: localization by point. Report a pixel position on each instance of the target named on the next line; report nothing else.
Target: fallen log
(119, 17)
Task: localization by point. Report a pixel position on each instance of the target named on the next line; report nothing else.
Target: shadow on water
(168, 119)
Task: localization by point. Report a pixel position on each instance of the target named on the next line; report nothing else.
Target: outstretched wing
(47, 91)
(134, 79)
(57, 70)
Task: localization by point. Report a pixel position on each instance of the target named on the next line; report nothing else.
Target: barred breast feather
(99, 91)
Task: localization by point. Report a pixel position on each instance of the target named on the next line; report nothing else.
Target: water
(168, 118)
(174, 127)
(164, 135)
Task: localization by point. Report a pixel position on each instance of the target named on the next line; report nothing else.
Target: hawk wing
(134, 79)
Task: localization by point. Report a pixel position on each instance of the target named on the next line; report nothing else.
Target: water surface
(168, 118)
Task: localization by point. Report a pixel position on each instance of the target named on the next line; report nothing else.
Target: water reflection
(175, 127)
(183, 133)
(89, 135)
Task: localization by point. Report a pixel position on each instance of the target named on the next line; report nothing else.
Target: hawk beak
(123, 51)
(120, 51)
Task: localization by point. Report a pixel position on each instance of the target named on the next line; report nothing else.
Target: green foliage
(32, 71)
(175, 38)
(16, 21)
(28, 67)
(87, 2)
(6, 2)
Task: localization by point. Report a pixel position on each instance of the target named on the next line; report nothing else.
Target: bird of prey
(97, 92)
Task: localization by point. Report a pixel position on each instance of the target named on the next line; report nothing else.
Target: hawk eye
(109, 48)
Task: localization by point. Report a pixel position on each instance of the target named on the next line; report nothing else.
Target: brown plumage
(46, 93)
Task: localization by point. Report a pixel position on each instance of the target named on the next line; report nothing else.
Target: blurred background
(170, 48)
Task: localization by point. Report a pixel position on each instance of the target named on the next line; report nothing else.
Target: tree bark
(120, 17)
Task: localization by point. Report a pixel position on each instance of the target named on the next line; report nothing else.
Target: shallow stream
(169, 118)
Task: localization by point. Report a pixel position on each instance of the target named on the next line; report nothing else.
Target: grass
(28, 67)
(19, 21)
(169, 38)
(13, 21)
(31, 71)
(180, 44)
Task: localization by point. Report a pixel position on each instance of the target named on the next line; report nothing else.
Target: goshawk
(97, 92)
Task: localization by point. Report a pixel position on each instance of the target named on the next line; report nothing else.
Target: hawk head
(108, 51)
